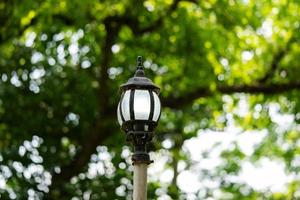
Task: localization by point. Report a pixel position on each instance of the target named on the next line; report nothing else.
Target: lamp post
(138, 113)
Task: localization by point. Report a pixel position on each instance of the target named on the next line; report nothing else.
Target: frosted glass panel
(141, 104)
(157, 107)
(119, 115)
(125, 106)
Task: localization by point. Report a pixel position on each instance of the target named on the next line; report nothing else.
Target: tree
(62, 62)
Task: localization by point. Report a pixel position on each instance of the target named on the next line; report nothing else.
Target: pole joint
(140, 139)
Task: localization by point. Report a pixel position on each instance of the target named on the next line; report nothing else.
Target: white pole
(140, 181)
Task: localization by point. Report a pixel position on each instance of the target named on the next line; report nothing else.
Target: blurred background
(230, 79)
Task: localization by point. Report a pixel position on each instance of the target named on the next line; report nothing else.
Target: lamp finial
(139, 68)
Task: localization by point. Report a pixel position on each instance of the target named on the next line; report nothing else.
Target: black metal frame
(139, 132)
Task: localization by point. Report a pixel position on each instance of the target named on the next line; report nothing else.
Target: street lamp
(138, 113)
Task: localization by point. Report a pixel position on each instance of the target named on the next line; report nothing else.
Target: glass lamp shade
(139, 105)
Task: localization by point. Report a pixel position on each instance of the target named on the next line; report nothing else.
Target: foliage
(62, 62)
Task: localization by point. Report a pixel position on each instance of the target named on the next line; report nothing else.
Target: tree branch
(102, 126)
(137, 30)
(276, 60)
(274, 65)
(134, 24)
(180, 101)
(98, 132)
